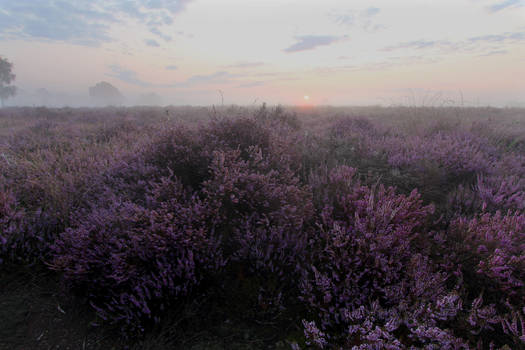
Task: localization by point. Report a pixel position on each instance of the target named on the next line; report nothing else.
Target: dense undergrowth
(362, 233)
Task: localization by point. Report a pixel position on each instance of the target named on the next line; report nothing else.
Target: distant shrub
(456, 152)
(279, 115)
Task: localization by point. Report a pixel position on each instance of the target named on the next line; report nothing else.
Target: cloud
(151, 42)
(494, 53)
(157, 32)
(250, 84)
(55, 20)
(417, 44)
(363, 19)
(81, 22)
(388, 63)
(131, 77)
(127, 76)
(151, 12)
(310, 42)
(502, 5)
(221, 77)
(172, 67)
(371, 11)
(472, 44)
(498, 38)
(347, 19)
(246, 65)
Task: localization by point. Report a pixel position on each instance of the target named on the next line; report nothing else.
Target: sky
(300, 52)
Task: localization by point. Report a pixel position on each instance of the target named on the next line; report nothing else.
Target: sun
(306, 97)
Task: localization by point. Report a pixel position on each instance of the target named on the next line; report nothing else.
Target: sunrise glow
(343, 53)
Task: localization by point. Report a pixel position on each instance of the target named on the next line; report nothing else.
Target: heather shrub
(365, 252)
(482, 257)
(501, 192)
(129, 177)
(184, 152)
(452, 166)
(241, 133)
(378, 281)
(404, 161)
(277, 141)
(49, 187)
(488, 194)
(278, 116)
(188, 152)
(132, 262)
(261, 216)
(492, 247)
(459, 153)
(24, 236)
(354, 139)
(232, 219)
(11, 239)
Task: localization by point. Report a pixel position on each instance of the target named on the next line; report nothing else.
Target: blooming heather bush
(501, 192)
(457, 169)
(51, 188)
(371, 286)
(262, 214)
(513, 324)
(129, 177)
(456, 152)
(354, 139)
(188, 152)
(494, 244)
(278, 116)
(131, 262)
(365, 251)
(182, 151)
(24, 239)
(241, 134)
(231, 199)
(277, 141)
(10, 227)
(490, 193)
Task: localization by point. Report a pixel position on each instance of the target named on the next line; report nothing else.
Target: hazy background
(160, 52)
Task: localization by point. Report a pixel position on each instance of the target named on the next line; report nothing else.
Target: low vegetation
(238, 228)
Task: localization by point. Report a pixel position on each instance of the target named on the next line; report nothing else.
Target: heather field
(262, 228)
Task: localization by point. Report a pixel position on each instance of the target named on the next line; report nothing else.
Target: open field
(262, 228)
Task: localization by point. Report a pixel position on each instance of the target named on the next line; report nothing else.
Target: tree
(6, 77)
(105, 94)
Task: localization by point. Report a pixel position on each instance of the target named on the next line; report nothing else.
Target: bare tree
(6, 77)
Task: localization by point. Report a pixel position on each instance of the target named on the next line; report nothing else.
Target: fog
(45, 98)
(410, 98)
